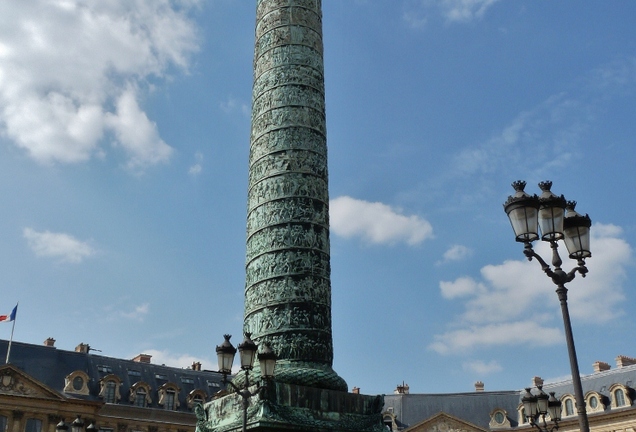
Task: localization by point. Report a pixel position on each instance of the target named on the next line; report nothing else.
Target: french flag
(11, 316)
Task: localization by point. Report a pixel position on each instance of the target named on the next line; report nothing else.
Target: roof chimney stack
(537, 381)
(622, 361)
(479, 386)
(196, 366)
(600, 366)
(50, 342)
(83, 348)
(142, 358)
(402, 389)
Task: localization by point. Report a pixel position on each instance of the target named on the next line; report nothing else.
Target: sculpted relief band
(288, 287)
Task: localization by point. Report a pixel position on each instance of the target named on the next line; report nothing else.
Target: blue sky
(124, 137)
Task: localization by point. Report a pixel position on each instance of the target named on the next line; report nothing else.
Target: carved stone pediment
(443, 422)
(15, 382)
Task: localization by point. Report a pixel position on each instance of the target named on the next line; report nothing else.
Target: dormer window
(140, 397)
(499, 419)
(620, 396)
(194, 397)
(170, 399)
(109, 388)
(76, 382)
(569, 407)
(140, 394)
(168, 396)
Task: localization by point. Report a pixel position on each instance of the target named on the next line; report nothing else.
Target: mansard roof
(50, 366)
(476, 408)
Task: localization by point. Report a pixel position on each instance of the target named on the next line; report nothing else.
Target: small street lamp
(537, 407)
(61, 426)
(557, 220)
(248, 351)
(77, 425)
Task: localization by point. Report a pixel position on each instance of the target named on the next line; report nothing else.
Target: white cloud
(198, 166)
(70, 73)
(376, 222)
(481, 367)
(139, 313)
(57, 245)
(455, 253)
(232, 104)
(501, 334)
(417, 12)
(168, 358)
(460, 287)
(497, 307)
(137, 135)
(465, 10)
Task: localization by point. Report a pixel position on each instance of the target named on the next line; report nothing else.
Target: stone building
(609, 396)
(43, 385)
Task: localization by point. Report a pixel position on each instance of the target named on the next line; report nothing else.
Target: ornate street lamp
(248, 351)
(556, 219)
(537, 407)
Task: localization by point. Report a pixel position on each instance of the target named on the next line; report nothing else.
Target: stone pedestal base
(289, 407)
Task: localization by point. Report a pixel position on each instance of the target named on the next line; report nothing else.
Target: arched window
(109, 388)
(170, 400)
(619, 397)
(569, 407)
(169, 396)
(140, 394)
(196, 396)
(140, 397)
(109, 391)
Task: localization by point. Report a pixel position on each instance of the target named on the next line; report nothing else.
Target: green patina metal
(288, 283)
(289, 407)
(288, 288)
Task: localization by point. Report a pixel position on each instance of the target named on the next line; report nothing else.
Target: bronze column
(288, 288)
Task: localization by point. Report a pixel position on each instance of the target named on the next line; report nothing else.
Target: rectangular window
(170, 399)
(187, 380)
(140, 398)
(33, 425)
(109, 392)
(134, 373)
(3, 424)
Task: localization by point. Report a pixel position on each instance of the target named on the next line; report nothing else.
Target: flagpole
(12, 328)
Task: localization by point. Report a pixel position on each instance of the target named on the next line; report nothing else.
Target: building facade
(43, 385)
(609, 397)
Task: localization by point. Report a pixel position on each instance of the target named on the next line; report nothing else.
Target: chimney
(196, 366)
(622, 361)
(600, 366)
(355, 390)
(402, 389)
(50, 342)
(142, 358)
(83, 348)
(537, 381)
(479, 386)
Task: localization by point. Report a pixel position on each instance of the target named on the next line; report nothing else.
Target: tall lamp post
(557, 220)
(247, 353)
